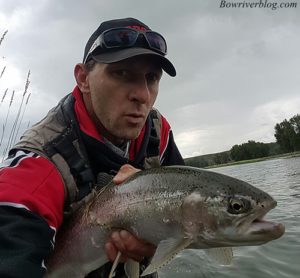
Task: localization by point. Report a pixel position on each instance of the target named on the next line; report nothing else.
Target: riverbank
(284, 155)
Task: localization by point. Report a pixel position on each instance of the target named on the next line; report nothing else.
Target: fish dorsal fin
(165, 252)
(132, 269)
(221, 255)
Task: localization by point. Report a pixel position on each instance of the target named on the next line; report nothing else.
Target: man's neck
(122, 150)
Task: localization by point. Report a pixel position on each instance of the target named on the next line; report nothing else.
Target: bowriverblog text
(257, 4)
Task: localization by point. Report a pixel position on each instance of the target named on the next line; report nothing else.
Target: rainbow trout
(172, 207)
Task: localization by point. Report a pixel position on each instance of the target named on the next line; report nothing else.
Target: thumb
(124, 173)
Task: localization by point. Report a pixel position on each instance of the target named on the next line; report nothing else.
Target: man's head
(119, 77)
(119, 39)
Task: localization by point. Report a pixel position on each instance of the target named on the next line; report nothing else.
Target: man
(106, 125)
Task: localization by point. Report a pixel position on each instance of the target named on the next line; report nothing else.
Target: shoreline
(284, 155)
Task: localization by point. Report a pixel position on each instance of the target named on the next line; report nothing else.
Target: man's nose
(140, 91)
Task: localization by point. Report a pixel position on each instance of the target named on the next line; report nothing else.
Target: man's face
(121, 95)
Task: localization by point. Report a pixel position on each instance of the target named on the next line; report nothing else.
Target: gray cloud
(231, 63)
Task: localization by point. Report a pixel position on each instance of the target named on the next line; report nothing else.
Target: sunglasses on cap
(127, 37)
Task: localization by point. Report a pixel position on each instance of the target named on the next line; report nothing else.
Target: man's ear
(81, 76)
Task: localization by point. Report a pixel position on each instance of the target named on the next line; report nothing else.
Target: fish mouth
(254, 229)
(257, 228)
(266, 229)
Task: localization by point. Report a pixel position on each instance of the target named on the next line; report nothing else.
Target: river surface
(279, 258)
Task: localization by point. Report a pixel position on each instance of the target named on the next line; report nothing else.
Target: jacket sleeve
(31, 210)
(25, 240)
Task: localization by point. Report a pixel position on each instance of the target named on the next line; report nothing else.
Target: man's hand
(123, 241)
(124, 173)
(129, 246)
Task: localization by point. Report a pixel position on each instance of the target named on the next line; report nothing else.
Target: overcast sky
(237, 68)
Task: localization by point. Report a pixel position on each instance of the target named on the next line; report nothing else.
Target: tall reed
(3, 97)
(2, 72)
(12, 136)
(1, 40)
(5, 123)
(3, 36)
(21, 120)
(10, 132)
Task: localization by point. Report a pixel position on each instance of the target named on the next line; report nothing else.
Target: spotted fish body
(172, 207)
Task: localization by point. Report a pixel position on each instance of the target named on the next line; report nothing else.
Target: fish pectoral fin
(115, 264)
(221, 255)
(165, 252)
(132, 269)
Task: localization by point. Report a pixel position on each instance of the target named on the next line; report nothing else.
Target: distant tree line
(249, 150)
(203, 161)
(287, 134)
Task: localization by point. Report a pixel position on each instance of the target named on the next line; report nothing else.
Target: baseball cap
(103, 49)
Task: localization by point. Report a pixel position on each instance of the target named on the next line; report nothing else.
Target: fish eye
(237, 206)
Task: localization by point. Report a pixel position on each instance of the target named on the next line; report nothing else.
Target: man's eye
(122, 73)
(152, 77)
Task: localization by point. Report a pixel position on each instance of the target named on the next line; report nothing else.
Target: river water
(279, 258)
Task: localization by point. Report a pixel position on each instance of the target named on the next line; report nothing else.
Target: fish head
(245, 223)
(230, 214)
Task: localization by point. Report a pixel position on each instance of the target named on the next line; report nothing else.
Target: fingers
(124, 173)
(112, 252)
(129, 246)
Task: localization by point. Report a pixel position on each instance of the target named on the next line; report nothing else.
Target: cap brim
(119, 55)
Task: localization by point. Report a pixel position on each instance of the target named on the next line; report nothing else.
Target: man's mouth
(135, 118)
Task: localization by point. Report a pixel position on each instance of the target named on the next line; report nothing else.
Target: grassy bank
(285, 155)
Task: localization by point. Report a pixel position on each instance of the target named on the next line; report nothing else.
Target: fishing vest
(57, 138)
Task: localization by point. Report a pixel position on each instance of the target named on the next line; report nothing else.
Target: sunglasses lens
(120, 38)
(157, 42)
(126, 37)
